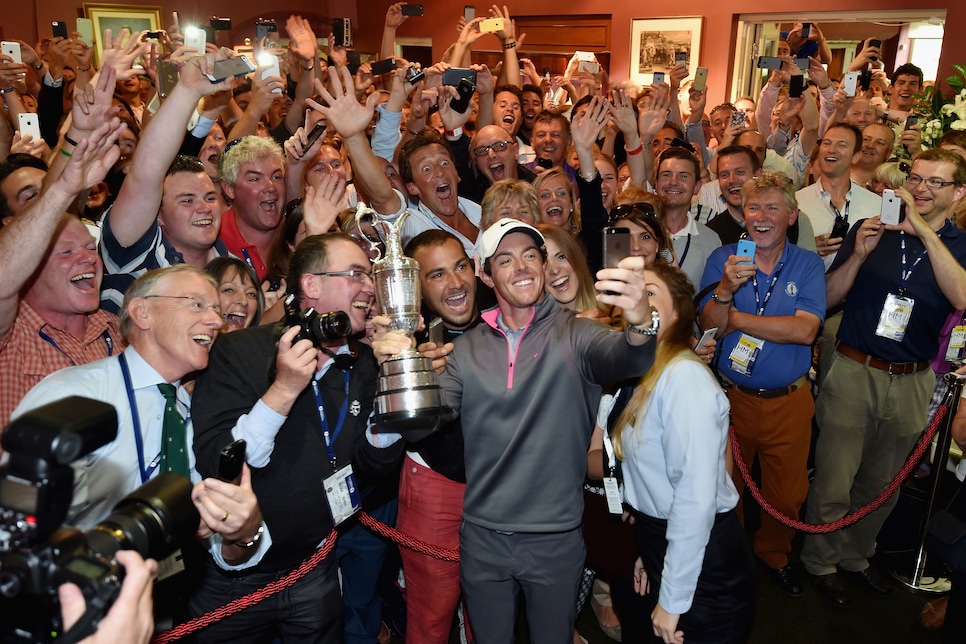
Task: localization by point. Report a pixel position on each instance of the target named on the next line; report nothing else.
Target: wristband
(251, 543)
(455, 134)
(510, 45)
(650, 329)
(65, 152)
(635, 151)
(714, 296)
(7, 90)
(70, 140)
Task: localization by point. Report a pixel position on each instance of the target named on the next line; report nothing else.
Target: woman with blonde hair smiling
(510, 198)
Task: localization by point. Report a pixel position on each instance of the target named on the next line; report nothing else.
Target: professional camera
(314, 326)
(38, 553)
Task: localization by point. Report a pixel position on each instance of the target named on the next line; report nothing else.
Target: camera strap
(144, 471)
(330, 437)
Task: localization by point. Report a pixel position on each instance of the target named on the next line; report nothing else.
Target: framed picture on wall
(656, 41)
(136, 18)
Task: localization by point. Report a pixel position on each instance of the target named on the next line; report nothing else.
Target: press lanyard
(49, 340)
(759, 304)
(248, 259)
(145, 472)
(330, 437)
(839, 215)
(906, 274)
(684, 255)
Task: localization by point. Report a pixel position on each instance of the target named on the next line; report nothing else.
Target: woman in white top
(672, 436)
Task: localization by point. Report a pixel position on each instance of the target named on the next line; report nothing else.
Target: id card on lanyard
(340, 487)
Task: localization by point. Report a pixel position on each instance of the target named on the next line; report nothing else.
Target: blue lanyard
(248, 258)
(684, 255)
(759, 304)
(330, 437)
(49, 340)
(906, 274)
(145, 472)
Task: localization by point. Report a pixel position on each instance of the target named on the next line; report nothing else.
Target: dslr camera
(38, 553)
(314, 326)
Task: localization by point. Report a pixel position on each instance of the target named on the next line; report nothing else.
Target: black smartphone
(875, 42)
(454, 75)
(263, 28)
(152, 35)
(168, 75)
(230, 461)
(796, 86)
(840, 228)
(414, 75)
(806, 29)
(617, 246)
(353, 60)
(311, 138)
(60, 29)
(275, 281)
(342, 32)
(384, 66)
(769, 62)
(412, 10)
(237, 66)
(465, 90)
(911, 120)
(658, 77)
(678, 142)
(865, 80)
(220, 24)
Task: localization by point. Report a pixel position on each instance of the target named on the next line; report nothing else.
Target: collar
(690, 228)
(97, 322)
(143, 375)
(342, 350)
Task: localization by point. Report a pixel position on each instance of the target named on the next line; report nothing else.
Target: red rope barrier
(911, 463)
(406, 541)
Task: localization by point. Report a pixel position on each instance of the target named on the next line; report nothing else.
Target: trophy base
(414, 424)
(409, 400)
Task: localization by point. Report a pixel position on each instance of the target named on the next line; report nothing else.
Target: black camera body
(316, 327)
(38, 553)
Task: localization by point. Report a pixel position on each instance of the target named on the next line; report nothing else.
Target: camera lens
(331, 326)
(154, 520)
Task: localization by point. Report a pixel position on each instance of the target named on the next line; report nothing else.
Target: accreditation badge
(745, 353)
(343, 494)
(957, 342)
(895, 316)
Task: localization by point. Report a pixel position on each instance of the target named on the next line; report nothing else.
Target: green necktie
(174, 442)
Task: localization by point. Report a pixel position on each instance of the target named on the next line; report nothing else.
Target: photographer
(303, 406)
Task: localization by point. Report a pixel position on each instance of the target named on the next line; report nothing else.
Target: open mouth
(84, 280)
(236, 319)
(508, 119)
(498, 170)
(203, 339)
(444, 191)
(456, 301)
(560, 284)
(202, 222)
(269, 206)
(524, 283)
(362, 305)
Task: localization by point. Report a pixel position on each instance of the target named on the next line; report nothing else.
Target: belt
(892, 368)
(768, 393)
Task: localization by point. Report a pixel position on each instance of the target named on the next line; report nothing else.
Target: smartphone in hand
(746, 248)
(230, 461)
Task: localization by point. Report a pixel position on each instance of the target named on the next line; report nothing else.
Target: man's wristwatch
(643, 329)
(251, 543)
(714, 296)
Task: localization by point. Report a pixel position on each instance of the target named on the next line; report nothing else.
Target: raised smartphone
(491, 25)
(700, 79)
(29, 124)
(85, 27)
(850, 83)
(237, 66)
(891, 212)
(59, 28)
(412, 10)
(769, 62)
(12, 49)
(617, 246)
(796, 86)
(658, 78)
(270, 63)
(746, 248)
(230, 461)
(195, 37)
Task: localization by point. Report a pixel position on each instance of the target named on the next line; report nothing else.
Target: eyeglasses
(626, 210)
(932, 182)
(192, 302)
(497, 147)
(352, 273)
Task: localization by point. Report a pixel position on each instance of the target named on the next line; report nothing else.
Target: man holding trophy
(526, 385)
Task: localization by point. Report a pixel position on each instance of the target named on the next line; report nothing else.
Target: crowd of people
(153, 238)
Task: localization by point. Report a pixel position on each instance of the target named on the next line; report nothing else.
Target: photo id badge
(343, 494)
(171, 565)
(613, 494)
(957, 342)
(895, 317)
(745, 353)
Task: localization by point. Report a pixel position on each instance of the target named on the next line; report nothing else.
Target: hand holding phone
(29, 124)
(892, 212)
(491, 25)
(12, 49)
(706, 338)
(746, 248)
(270, 64)
(230, 461)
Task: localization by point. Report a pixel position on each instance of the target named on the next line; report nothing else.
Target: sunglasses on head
(626, 210)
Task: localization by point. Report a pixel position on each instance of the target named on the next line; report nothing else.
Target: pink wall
(439, 23)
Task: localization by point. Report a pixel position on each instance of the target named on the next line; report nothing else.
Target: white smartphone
(584, 55)
(195, 37)
(706, 337)
(85, 26)
(12, 49)
(270, 63)
(29, 124)
(850, 83)
(700, 79)
(588, 66)
(891, 212)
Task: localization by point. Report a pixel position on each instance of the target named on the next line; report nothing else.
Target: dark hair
(184, 163)
(431, 237)
(427, 137)
(945, 156)
(532, 89)
(741, 149)
(851, 128)
(952, 137)
(684, 155)
(583, 101)
(908, 69)
(284, 243)
(311, 256)
(513, 89)
(547, 117)
(219, 267)
(10, 165)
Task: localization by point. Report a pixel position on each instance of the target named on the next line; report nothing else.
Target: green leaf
(955, 82)
(960, 68)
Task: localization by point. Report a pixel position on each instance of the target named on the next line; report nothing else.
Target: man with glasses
(303, 408)
(490, 156)
(167, 211)
(899, 283)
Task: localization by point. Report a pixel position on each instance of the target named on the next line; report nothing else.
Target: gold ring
(225, 518)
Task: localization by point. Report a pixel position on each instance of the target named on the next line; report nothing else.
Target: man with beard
(426, 164)
(167, 211)
(49, 314)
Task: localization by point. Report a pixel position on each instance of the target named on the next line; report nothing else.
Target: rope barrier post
(914, 582)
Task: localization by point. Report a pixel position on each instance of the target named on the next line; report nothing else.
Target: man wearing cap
(527, 383)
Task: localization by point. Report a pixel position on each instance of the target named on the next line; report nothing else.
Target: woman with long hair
(695, 566)
(238, 294)
(568, 279)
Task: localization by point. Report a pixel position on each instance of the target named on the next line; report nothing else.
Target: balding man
(877, 142)
(490, 156)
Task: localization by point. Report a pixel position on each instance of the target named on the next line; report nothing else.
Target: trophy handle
(390, 231)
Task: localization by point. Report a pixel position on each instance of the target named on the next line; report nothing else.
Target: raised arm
(136, 207)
